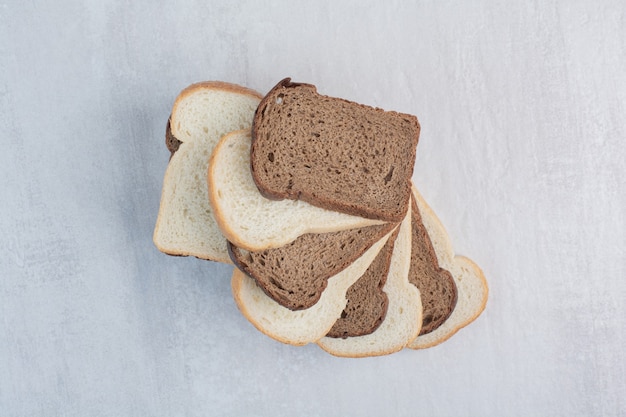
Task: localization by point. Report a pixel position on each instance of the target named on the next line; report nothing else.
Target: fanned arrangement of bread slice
(311, 198)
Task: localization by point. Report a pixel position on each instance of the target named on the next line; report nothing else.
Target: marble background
(522, 156)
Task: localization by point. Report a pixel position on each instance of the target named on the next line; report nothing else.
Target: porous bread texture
(403, 319)
(253, 222)
(436, 285)
(201, 115)
(296, 274)
(333, 153)
(472, 289)
(302, 326)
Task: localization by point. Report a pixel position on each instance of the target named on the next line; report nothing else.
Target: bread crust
(213, 85)
(171, 142)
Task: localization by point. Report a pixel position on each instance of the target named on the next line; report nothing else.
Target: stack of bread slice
(310, 197)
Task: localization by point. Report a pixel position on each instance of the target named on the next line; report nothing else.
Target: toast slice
(470, 282)
(333, 153)
(302, 326)
(201, 115)
(295, 275)
(403, 318)
(253, 222)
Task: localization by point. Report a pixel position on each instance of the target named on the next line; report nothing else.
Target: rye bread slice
(436, 285)
(367, 302)
(333, 153)
(295, 275)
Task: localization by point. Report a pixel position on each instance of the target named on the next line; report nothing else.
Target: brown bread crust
(295, 275)
(437, 288)
(170, 141)
(333, 153)
(367, 302)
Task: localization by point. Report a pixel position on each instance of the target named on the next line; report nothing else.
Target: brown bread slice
(333, 153)
(436, 285)
(367, 302)
(295, 275)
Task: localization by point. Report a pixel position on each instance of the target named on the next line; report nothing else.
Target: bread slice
(302, 326)
(201, 115)
(253, 222)
(436, 285)
(295, 275)
(471, 285)
(403, 318)
(333, 153)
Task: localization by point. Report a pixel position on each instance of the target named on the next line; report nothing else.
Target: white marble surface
(522, 156)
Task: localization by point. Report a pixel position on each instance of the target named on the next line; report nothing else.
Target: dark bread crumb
(333, 153)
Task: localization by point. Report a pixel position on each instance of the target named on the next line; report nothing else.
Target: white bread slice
(470, 281)
(403, 320)
(301, 326)
(201, 115)
(253, 222)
